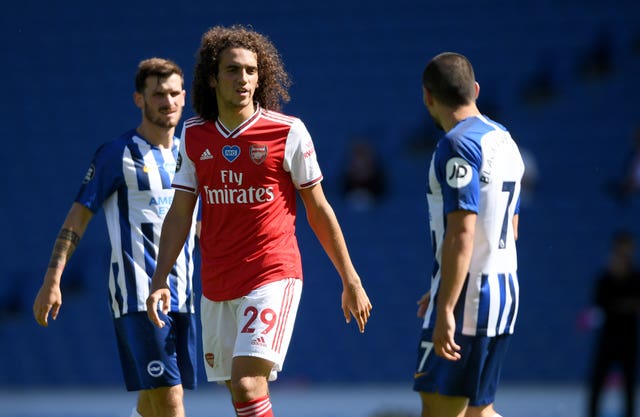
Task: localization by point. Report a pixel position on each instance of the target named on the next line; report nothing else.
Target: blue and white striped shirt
(477, 167)
(131, 179)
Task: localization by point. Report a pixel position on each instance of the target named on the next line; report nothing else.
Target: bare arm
(457, 249)
(516, 218)
(325, 225)
(49, 297)
(175, 228)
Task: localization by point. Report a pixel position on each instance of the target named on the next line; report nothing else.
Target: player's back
(499, 177)
(477, 167)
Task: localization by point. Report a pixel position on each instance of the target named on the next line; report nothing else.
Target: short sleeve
(456, 167)
(300, 157)
(185, 177)
(103, 177)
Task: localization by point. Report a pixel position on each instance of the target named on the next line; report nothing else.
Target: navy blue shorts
(152, 357)
(475, 375)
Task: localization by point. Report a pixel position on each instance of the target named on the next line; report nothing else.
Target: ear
(213, 83)
(427, 98)
(182, 98)
(138, 99)
(477, 86)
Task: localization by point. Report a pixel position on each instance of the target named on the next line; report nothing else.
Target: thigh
(186, 347)
(259, 325)
(219, 330)
(475, 376)
(148, 355)
(266, 319)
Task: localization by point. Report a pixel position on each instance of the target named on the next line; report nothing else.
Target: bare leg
(161, 402)
(481, 411)
(249, 378)
(436, 405)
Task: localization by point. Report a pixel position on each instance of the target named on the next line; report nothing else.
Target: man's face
(162, 100)
(237, 79)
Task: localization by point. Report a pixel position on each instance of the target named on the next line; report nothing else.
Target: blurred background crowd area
(561, 75)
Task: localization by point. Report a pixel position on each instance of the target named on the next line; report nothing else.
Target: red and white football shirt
(247, 179)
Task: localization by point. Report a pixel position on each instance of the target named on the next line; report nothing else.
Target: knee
(247, 388)
(167, 400)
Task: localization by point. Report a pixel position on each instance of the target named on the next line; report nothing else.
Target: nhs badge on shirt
(458, 173)
(231, 153)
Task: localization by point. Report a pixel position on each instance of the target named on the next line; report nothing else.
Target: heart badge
(230, 153)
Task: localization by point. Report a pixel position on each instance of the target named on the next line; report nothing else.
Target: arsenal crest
(209, 358)
(258, 153)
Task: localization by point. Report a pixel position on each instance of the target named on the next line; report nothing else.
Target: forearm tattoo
(64, 247)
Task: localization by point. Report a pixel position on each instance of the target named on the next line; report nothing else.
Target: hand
(423, 304)
(356, 302)
(48, 300)
(158, 298)
(443, 341)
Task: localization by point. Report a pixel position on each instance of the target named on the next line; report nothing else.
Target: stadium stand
(356, 70)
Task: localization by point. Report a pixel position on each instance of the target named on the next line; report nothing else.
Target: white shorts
(259, 324)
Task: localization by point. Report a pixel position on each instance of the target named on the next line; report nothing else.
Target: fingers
(448, 350)
(347, 314)
(422, 310)
(355, 302)
(152, 310)
(362, 320)
(41, 314)
(152, 313)
(361, 315)
(423, 304)
(54, 311)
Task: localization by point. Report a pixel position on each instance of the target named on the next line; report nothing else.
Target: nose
(168, 102)
(244, 76)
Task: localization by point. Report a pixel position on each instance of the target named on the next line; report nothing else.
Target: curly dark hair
(274, 82)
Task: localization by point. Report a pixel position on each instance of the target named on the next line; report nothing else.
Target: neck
(456, 115)
(232, 118)
(156, 135)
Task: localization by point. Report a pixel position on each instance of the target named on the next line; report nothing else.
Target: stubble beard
(158, 118)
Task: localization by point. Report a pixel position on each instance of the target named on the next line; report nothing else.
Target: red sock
(260, 407)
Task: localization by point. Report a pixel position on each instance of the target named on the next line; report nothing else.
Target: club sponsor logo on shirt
(459, 172)
(258, 153)
(233, 192)
(162, 201)
(231, 153)
(226, 195)
(161, 204)
(155, 368)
